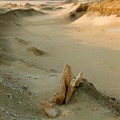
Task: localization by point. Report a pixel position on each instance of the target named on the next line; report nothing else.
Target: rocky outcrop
(67, 86)
(106, 7)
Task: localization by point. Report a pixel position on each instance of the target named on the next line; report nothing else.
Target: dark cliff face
(106, 7)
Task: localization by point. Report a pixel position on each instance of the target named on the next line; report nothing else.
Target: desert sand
(37, 39)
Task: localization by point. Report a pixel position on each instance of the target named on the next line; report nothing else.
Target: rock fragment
(64, 83)
(78, 80)
(49, 110)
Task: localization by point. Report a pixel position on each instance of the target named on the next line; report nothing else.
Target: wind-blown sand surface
(35, 46)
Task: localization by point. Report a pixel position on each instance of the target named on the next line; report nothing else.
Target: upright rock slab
(67, 85)
(64, 83)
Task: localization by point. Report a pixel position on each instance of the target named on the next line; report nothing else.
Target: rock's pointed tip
(81, 73)
(66, 66)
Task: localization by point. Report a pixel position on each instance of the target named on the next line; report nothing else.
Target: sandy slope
(33, 51)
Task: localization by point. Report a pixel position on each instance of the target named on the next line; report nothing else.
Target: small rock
(52, 112)
(94, 108)
(2, 109)
(50, 100)
(76, 93)
(14, 115)
(19, 103)
(29, 92)
(36, 95)
(9, 95)
(7, 113)
(24, 87)
(78, 109)
(49, 109)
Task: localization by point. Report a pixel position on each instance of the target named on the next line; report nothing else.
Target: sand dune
(22, 13)
(93, 18)
(3, 9)
(47, 7)
(14, 16)
(17, 6)
(76, 11)
(10, 5)
(28, 5)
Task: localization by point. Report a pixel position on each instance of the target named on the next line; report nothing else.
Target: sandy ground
(34, 50)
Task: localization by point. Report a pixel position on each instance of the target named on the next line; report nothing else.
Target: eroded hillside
(106, 7)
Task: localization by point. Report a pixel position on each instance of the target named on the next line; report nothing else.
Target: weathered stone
(50, 111)
(69, 93)
(78, 80)
(67, 85)
(64, 83)
(67, 75)
(60, 94)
